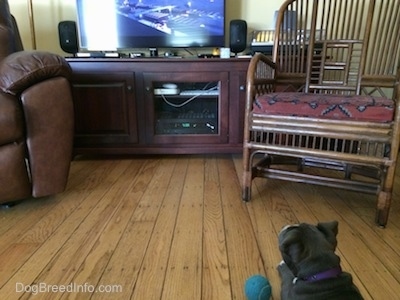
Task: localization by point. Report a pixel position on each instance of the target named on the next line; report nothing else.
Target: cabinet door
(105, 109)
(186, 107)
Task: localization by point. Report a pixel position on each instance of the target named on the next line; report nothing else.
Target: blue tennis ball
(257, 287)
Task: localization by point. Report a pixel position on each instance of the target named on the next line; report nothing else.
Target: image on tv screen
(150, 23)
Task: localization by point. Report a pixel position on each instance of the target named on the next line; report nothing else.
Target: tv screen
(110, 25)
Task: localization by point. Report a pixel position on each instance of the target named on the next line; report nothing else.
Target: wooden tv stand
(124, 106)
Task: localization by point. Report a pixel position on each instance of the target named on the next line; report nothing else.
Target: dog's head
(304, 246)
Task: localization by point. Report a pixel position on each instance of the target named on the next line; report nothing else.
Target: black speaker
(68, 36)
(237, 35)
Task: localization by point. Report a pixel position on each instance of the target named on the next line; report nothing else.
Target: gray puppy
(310, 268)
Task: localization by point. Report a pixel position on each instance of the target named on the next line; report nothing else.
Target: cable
(190, 99)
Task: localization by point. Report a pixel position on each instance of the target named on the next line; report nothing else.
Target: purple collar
(331, 273)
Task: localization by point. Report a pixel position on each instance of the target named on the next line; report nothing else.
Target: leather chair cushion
(360, 108)
(23, 69)
(11, 120)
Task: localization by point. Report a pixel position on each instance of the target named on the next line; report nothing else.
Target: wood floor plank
(272, 210)
(266, 235)
(216, 283)
(10, 216)
(28, 212)
(15, 255)
(184, 274)
(68, 260)
(244, 258)
(97, 259)
(149, 284)
(175, 227)
(387, 251)
(55, 261)
(126, 260)
(39, 213)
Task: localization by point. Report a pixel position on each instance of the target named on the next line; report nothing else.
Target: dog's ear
(330, 230)
(292, 249)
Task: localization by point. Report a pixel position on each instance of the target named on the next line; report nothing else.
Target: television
(112, 25)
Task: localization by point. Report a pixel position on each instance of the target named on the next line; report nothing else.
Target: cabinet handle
(242, 88)
(148, 88)
(129, 87)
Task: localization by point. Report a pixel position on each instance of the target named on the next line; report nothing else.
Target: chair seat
(338, 107)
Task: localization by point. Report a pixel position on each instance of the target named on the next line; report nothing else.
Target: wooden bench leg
(382, 209)
(247, 176)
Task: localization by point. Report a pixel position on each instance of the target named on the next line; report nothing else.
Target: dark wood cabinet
(125, 106)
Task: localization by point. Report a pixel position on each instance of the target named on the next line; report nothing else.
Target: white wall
(48, 13)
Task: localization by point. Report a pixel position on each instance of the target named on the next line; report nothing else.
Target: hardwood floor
(174, 227)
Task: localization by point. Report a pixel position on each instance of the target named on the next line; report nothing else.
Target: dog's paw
(282, 266)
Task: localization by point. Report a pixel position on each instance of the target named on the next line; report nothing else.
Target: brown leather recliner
(36, 117)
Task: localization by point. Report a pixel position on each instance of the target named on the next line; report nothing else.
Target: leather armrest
(22, 69)
(49, 123)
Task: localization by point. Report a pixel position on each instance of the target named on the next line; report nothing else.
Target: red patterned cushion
(361, 108)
